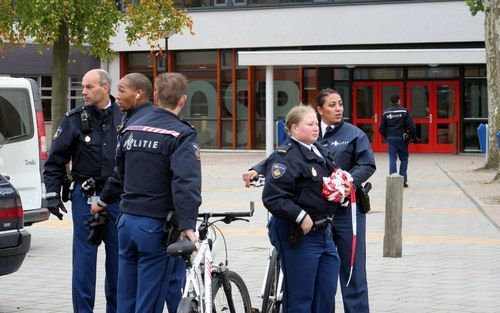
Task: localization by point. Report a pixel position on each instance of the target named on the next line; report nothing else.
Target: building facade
(226, 100)
(430, 52)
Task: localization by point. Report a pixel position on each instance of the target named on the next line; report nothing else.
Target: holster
(364, 198)
(171, 228)
(296, 234)
(66, 188)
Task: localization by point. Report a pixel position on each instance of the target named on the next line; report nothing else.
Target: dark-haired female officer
(292, 193)
(352, 152)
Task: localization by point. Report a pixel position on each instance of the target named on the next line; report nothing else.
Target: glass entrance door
(370, 100)
(435, 109)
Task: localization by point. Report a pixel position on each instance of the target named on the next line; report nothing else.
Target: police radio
(85, 119)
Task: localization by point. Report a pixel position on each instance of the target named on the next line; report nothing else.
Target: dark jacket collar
(138, 108)
(333, 131)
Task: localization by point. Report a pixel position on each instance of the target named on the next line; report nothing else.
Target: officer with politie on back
(134, 93)
(87, 137)
(158, 163)
(397, 128)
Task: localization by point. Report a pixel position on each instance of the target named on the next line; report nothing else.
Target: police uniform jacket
(92, 152)
(396, 120)
(294, 181)
(113, 188)
(159, 166)
(351, 151)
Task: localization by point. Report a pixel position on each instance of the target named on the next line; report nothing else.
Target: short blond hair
(170, 87)
(296, 114)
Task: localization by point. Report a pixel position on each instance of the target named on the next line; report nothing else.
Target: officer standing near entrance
(397, 128)
(87, 137)
(158, 162)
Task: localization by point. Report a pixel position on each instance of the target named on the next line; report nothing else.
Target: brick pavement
(451, 241)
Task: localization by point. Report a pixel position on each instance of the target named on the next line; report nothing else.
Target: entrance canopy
(350, 59)
(432, 57)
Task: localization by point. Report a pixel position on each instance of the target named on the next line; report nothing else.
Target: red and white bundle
(335, 191)
(333, 187)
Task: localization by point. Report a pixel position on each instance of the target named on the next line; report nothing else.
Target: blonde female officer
(294, 180)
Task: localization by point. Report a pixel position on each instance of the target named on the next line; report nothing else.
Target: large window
(200, 67)
(45, 86)
(234, 102)
(286, 96)
(475, 107)
(15, 114)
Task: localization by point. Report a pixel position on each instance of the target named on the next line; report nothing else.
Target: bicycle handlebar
(230, 214)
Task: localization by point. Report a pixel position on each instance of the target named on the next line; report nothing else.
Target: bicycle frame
(279, 287)
(195, 283)
(200, 265)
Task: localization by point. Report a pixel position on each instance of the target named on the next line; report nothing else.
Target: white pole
(269, 110)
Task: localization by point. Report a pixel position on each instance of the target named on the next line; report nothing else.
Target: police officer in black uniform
(158, 161)
(397, 127)
(134, 92)
(292, 193)
(87, 137)
(352, 152)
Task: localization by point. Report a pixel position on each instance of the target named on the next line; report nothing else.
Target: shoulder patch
(78, 109)
(57, 133)
(196, 151)
(278, 170)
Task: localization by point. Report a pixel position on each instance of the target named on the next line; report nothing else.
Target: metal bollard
(393, 240)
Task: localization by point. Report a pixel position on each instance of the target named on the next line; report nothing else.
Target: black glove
(54, 203)
(97, 225)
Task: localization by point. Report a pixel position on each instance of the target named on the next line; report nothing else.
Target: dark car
(14, 239)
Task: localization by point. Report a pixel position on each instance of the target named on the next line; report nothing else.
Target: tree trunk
(60, 55)
(492, 45)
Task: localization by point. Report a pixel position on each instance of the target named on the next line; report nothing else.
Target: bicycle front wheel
(270, 299)
(239, 293)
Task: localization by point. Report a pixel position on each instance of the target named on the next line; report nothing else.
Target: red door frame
(378, 144)
(432, 121)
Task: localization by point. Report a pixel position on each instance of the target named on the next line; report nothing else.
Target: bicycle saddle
(181, 248)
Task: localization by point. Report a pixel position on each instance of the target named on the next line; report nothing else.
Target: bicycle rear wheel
(239, 293)
(188, 305)
(270, 302)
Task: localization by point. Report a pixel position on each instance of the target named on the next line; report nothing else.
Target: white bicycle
(211, 288)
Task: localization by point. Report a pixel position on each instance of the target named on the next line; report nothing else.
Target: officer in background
(134, 92)
(87, 137)
(292, 194)
(397, 128)
(158, 161)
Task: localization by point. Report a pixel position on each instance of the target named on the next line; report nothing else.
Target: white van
(22, 143)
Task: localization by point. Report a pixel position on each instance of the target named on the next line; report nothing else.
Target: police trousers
(310, 269)
(143, 274)
(355, 296)
(398, 147)
(85, 257)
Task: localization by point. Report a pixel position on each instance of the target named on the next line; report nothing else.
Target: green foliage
(91, 22)
(475, 6)
(154, 20)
